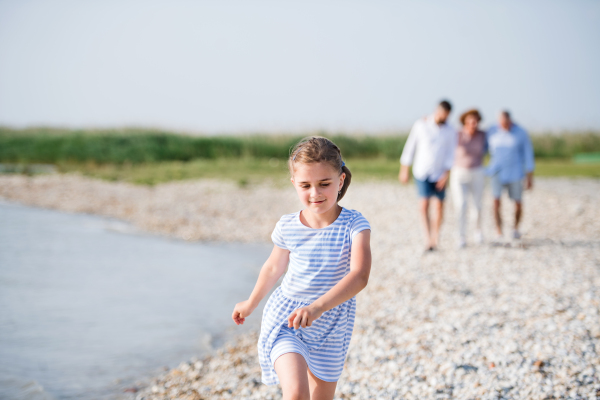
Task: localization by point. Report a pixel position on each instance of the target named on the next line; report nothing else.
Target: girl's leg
(291, 369)
(320, 390)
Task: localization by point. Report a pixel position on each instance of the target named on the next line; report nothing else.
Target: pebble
(510, 321)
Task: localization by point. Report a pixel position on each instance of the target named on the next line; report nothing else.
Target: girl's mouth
(318, 202)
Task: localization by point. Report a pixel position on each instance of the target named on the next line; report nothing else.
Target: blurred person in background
(430, 150)
(511, 161)
(467, 178)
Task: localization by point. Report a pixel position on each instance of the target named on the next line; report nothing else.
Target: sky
(289, 66)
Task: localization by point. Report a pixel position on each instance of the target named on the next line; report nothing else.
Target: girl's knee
(291, 369)
(296, 393)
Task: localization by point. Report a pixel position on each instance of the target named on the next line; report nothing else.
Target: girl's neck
(318, 221)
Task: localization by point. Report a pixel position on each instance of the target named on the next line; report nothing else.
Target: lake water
(88, 305)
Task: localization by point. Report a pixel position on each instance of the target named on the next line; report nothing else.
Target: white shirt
(429, 149)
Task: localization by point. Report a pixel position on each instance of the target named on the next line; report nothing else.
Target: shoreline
(516, 320)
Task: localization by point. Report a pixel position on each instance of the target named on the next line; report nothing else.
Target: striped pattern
(319, 258)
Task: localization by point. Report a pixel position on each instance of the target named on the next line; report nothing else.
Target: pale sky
(247, 66)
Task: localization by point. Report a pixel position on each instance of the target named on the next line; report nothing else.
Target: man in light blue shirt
(511, 160)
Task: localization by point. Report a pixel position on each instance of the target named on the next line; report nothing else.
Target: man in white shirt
(430, 150)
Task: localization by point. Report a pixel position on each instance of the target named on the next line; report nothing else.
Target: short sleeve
(358, 225)
(277, 236)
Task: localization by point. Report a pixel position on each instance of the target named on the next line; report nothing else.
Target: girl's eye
(325, 184)
(305, 186)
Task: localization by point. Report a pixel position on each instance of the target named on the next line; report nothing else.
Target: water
(88, 305)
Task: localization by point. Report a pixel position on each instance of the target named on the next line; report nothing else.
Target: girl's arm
(270, 273)
(347, 288)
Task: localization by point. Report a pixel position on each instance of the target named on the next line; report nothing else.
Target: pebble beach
(508, 319)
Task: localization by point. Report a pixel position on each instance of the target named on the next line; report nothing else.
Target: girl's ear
(342, 179)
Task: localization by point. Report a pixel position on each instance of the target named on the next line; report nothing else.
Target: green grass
(566, 168)
(139, 146)
(150, 157)
(565, 145)
(125, 146)
(388, 169)
(241, 170)
(247, 171)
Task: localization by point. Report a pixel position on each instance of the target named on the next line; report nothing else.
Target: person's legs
(477, 185)
(425, 190)
(497, 217)
(425, 223)
(291, 369)
(459, 192)
(496, 193)
(518, 213)
(515, 192)
(436, 223)
(319, 389)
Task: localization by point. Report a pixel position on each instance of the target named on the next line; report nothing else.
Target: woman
(467, 176)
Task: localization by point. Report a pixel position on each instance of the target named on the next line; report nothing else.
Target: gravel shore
(503, 320)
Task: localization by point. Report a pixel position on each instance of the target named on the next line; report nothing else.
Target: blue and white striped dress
(319, 258)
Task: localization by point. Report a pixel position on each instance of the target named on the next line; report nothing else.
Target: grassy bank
(251, 170)
(151, 157)
(127, 146)
(143, 146)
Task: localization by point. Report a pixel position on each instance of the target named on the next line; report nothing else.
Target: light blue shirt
(511, 153)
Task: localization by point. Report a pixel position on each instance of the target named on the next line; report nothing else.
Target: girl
(307, 322)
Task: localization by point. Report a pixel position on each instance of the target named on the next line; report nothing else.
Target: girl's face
(317, 185)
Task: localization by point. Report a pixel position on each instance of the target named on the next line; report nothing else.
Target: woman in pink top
(467, 175)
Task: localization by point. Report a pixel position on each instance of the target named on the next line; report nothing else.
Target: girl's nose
(314, 192)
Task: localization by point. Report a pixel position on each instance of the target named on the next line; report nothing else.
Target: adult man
(511, 160)
(430, 150)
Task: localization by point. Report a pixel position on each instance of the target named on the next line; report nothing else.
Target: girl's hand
(241, 311)
(304, 317)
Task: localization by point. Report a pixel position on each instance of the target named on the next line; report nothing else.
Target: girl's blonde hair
(316, 149)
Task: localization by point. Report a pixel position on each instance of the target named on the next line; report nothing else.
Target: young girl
(307, 322)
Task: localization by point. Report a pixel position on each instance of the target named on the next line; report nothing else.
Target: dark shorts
(427, 189)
